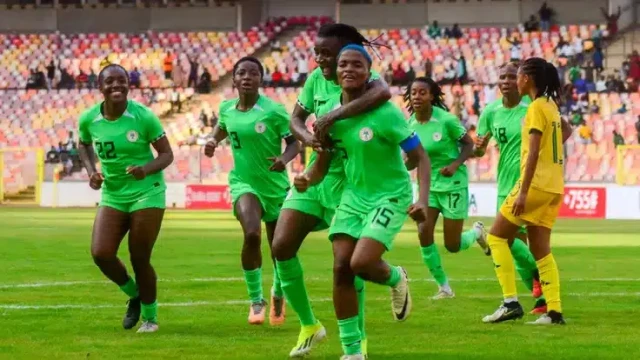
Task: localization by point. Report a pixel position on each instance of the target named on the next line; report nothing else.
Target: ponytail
(545, 78)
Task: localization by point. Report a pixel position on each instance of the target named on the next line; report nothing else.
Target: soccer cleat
(353, 357)
(308, 338)
(444, 293)
(540, 307)
(132, 316)
(257, 313)
(148, 327)
(550, 318)
(537, 289)
(277, 311)
(482, 237)
(401, 298)
(363, 346)
(506, 312)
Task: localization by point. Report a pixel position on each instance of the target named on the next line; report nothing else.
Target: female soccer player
(133, 189)
(259, 183)
(449, 146)
(535, 199)
(376, 200)
(303, 213)
(501, 119)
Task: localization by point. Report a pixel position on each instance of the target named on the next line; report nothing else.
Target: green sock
(253, 278)
(359, 285)
(290, 273)
(394, 277)
(130, 288)
(350, 336)
(277, 284)
(524, 261)
(467, 239)
(431, 257)
(150, 312)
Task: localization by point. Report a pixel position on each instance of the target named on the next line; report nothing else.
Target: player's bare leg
(109, 228)
(143, 233)
(345, 298)
(249, 212)
(277, 310)
(540, 245)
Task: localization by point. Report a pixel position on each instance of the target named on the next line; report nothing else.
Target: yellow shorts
(540, 209)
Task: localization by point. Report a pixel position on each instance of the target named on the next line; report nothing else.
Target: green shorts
(501, 198)
(270, 205)
(453, 205)
(319, 201)
(381, 223)
(156, 200)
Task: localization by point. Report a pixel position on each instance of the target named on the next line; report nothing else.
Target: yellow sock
(550, 281)
(503, 262)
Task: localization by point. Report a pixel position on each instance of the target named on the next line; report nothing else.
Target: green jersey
(315, 94)
(122, 143)
(369, 145)
(255, 136)
(440, 137)
(505, 126)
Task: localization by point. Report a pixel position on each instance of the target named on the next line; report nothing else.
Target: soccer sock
(130, 288)
(525, 263)
(503, 263)
(290, 273)
(431, 258)
(467, 238)
(253, 278)
(550, 281)
(394, 277)
(359, 285)
(150, 312)
(277, 284)
(350, 336)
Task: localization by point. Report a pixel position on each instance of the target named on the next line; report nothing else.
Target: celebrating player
(259, 183)
(133, 189)
(535, 199)
(313, 210)
(376, 200)
(501, 120)
(449, 146)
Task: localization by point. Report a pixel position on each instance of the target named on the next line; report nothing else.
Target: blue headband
(358, 48)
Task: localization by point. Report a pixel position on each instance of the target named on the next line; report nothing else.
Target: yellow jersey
(543, 116)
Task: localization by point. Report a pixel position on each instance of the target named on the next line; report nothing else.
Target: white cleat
(352, 357)
(401, 298)
(444, 294)
(148, 327)
(545, 319)
(478, 226)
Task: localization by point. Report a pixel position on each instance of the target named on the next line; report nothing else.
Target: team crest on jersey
(366, 134)
(437, 136)
(132, 136)
(261, 127)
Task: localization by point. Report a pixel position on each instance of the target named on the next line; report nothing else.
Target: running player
(313, 210)
(133, 189)
(376, 200)
(502, 118)
(535, 199)
(449, 146)
(259, 183)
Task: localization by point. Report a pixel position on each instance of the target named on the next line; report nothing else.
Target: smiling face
(114, 84)
(421, 96)
(326, 51)
(353, 70)
(247, 78)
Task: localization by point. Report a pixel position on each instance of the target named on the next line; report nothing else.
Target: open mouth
(117, 92)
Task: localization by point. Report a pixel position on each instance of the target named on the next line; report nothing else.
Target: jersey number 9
(106, 150)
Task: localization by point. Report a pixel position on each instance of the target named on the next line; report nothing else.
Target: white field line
(240, 279)
(246, 302)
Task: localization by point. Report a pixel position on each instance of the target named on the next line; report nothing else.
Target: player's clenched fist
(96, 180)
(418, 212)
(479, 142)
(210, 148)
(301, 182)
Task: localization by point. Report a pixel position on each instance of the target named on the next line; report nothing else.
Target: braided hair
(434, 89)
(545, 77)
(249, 59)
(348, 34)
(111, 66)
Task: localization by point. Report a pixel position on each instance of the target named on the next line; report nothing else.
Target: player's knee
(252, 237)
(360, 266)
(342, 273)
(452, 246)
(139, 261)
(280, 249)
(101, 256)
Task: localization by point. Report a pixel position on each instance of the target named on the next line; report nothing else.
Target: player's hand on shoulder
(301, 182)
(277, 164)
(210, 148)
(448, 171)
(418, 212)
(323, 124)
(95, 181)
(137, 172)
(321, 143)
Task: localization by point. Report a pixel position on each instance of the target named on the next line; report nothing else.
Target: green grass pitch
(55, 304)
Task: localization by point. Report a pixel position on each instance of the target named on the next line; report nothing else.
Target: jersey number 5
(106, 150)
(383, 217)
(235, 140)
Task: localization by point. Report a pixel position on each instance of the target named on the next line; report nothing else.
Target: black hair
(250, 59)
(347, 34)
(545, 76)
(111, 66)
(515, 63)
(434, 89)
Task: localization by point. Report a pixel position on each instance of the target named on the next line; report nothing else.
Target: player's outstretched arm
(88, 157)
(291, 150)
(164, 158)
(566, 130)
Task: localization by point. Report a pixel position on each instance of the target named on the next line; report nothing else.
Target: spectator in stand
(580, 85)
(490, 93)
(178, 75)
(546, 14)
(411, 74)
(53, 156)
(267, 80)
(193, 71)
(66, 80)
(461, 71)
(563, 49)
(449, 75)
(612, 21)
(92, 80)
(622, 109)
(585, 133)
(428, 69)
(434, 31)
(531, 24)
(476, 101)
(295, 77)
(634, 66)
(204, 84)
(399, 76)
(454, 32)
(598, 59)
(637, 125)
(577, 47)
(617, 139)
(276, 77)
(516, 49)
(51, 74)
(203, 118)
(275, 46)
(134, 78)
(168, 66)
(213, 120)
(176, 102)
(31, 80)
(303, 67)
(82, 80)
(589, 71)
(596, 37)
(595, 109)
(574, 73)
(601, 84)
